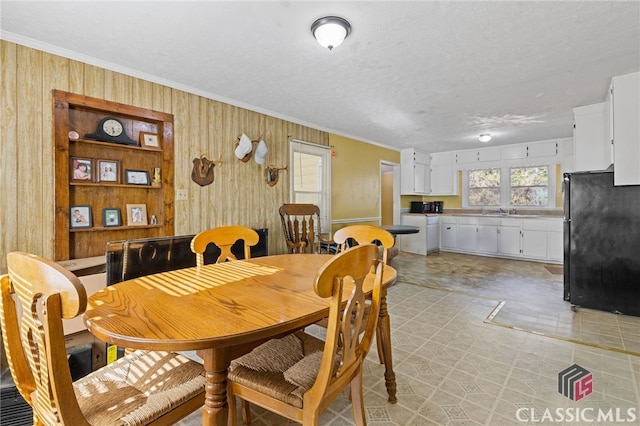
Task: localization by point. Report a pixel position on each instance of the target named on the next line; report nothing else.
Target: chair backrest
(36, 295)
(346, 346)
(224, 237)
(301, 226)
(364, 234)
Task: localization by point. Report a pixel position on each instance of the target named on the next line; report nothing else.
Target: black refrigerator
(601, 243)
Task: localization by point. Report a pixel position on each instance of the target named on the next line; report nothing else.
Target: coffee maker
(438, 206)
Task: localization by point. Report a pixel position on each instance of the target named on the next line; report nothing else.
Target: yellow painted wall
(355, 177)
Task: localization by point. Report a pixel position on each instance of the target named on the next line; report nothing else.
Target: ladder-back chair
(299, 376)
(144, 387)
(302, 230)
(224, 237)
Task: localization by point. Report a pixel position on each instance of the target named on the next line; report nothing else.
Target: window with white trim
(484, 187)
(311, 178)
(529, 186)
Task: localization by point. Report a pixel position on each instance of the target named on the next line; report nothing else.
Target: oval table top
(216, 305)
(400, 229)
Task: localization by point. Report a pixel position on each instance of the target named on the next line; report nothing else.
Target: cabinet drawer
(448, 219)
(489, 221)
(550, 225)
(510, 222)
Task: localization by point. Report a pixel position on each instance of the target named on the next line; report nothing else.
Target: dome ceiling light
(485, 137)
(330, 31)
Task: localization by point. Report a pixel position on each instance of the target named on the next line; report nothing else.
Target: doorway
(389, 193)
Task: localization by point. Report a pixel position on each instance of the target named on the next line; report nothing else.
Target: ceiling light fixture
(485, 137)
(330, 31)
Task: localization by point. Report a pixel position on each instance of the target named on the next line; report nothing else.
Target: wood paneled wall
(239, 195)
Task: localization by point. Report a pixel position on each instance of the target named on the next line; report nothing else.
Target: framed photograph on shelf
(136, 177)
(80, 217)
(81, 169)
(136, 214)
(108, 171)
(111, 217)
(149, 140)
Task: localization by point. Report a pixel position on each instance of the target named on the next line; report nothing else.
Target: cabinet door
(555, 247)
(448, 236)
(433, 237)
(422, 178)
(626, 129)
(488, 238)
(592, 147)
(509, 240)
(414, 243)
(542, 149)
(442, 180)
(534, 244)
(467, 237)
(489, 154)
(467, 157)
(513, 152)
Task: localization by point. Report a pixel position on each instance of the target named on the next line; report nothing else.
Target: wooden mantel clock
(111, 129)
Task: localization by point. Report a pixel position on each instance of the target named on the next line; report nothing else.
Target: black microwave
(426, 207)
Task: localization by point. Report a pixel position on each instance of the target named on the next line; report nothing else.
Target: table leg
(384, 334)
(216, 364)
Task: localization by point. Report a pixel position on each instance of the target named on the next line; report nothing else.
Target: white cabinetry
(512, 237)
(509, 233)
(444, 181)
(433, 233)
(489, 154)
(513, 152)
(466, 157)
(467, 233)
(448, 233)
(625, 97)
(426, 240)
(415, 172)
(591, 138)
(542, 149)
(488, 235)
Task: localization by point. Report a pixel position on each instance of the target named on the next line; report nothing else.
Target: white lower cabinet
(467, 233)
(509, 236)
(488, 235)
(523, 238)
(426, 240)
(448, 233)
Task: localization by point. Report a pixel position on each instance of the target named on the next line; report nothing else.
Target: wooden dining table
(221, 311)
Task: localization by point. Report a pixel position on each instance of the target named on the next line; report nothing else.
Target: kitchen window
(484, 187)
(529, 186)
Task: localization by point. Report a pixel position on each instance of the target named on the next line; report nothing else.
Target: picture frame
(111, 217)
(137, 215)
(136, 177)
(149, 140)
(80, 216)
(81, 169)
(108, 171)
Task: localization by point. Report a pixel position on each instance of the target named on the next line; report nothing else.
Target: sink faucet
(513, 211)
(500, 211)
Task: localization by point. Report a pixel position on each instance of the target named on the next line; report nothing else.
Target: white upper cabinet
(591, 138)
(625, 98)
(444, 178)
(512, 152)
(415, 173)
(542, 149)
(467, 156)
(489, 154)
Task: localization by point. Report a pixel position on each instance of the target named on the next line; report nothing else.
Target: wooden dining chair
(365, 234)
(224, 237)
(144, 387)
(302, 230)
(299, 376)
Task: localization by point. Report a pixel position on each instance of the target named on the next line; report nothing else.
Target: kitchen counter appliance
(601, 243)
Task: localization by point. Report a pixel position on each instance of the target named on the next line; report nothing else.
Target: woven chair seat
(281, 368)
(138, 388)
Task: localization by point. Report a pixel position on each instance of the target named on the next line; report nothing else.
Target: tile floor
(459, 360)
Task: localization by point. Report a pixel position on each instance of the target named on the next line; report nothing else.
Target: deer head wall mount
(271, 174)
(202, 172)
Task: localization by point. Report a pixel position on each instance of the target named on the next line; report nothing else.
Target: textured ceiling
(430, 74)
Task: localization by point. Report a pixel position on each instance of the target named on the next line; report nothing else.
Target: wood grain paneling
(238, 195)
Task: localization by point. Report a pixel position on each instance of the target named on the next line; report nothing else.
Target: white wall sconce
(330, 31)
